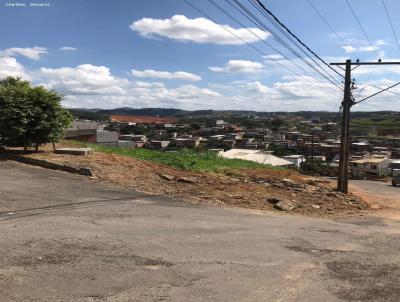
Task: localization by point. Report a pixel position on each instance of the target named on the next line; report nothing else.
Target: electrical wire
(376, 93)
(244, 41)
(296, 37)
(362, 28)
(255, 48)
(391, 24)
(342, 42)
(291, 39)
(262, 25)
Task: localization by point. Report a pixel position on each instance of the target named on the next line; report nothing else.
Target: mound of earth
(283, 191)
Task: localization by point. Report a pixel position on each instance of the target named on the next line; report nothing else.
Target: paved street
(379, 193)
(66, 238)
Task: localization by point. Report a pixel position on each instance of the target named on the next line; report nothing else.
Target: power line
(244, 41)
(284, 32)
(255, 48)
(290, 38)
(260, 24)
(362, 28)
(374, 94)
(391, 24)
(294, 36)
(327, 23)
(254, 34)
(367, 80)
(392, 92)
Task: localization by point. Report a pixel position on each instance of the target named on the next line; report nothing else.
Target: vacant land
(254, 188)
(67, 238)
(184, 159)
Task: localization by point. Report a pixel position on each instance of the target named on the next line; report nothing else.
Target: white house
(295, 159)
(370, 168)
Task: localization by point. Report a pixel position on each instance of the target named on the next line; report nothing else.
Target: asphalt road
(379, 193)
(65, 238)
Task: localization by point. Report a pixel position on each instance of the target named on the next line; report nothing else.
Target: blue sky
(159, 53)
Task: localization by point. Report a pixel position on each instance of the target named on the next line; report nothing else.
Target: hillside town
(313, 140)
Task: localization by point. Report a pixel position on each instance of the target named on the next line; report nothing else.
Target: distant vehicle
(396, 180)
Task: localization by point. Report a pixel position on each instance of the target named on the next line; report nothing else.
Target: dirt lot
(246, 188)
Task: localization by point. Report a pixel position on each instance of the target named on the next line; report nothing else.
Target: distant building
(105, 137)
(369, 168)
(92, 134)
(190, 142)
(158, 145)
(315, 119)
(295, 159)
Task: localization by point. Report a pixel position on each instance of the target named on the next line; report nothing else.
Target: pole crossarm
(366, 63)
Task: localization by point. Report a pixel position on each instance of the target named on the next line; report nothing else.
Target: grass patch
(383, 123)
(184, 159)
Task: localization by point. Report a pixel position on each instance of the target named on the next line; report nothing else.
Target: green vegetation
(318, 168)
(381, 123)
(184, 159)
(280, 150)
(89, 115)
(30, 116)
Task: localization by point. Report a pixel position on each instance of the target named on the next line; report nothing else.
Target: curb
(49, 165)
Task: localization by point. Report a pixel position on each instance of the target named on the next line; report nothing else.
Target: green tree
(30, 116)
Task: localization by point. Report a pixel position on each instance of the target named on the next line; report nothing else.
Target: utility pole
(342, 183)
(343, 175)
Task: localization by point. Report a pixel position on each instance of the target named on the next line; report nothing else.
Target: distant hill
(143, 112)
(89, 115)
(179, 113)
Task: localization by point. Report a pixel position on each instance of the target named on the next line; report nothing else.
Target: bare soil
(246, 188)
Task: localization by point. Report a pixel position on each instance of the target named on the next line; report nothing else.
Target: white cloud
(177, 75)
(238, 66)
(273, 57)
(92, 86)
(68, 48)
(199, 30)
(355, 45)
(351, 49)
(32, 53)
(258, 88)
(83, 79)
(11, 67)
(151, 94)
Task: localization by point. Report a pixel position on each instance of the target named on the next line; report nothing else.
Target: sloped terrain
(262, 189)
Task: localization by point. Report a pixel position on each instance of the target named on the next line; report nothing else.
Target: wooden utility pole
(343, 175)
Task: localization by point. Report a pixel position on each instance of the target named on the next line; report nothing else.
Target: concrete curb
(49, 165)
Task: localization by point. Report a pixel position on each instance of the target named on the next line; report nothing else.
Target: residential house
(295, 159)
(370, 168)
(158, 145)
